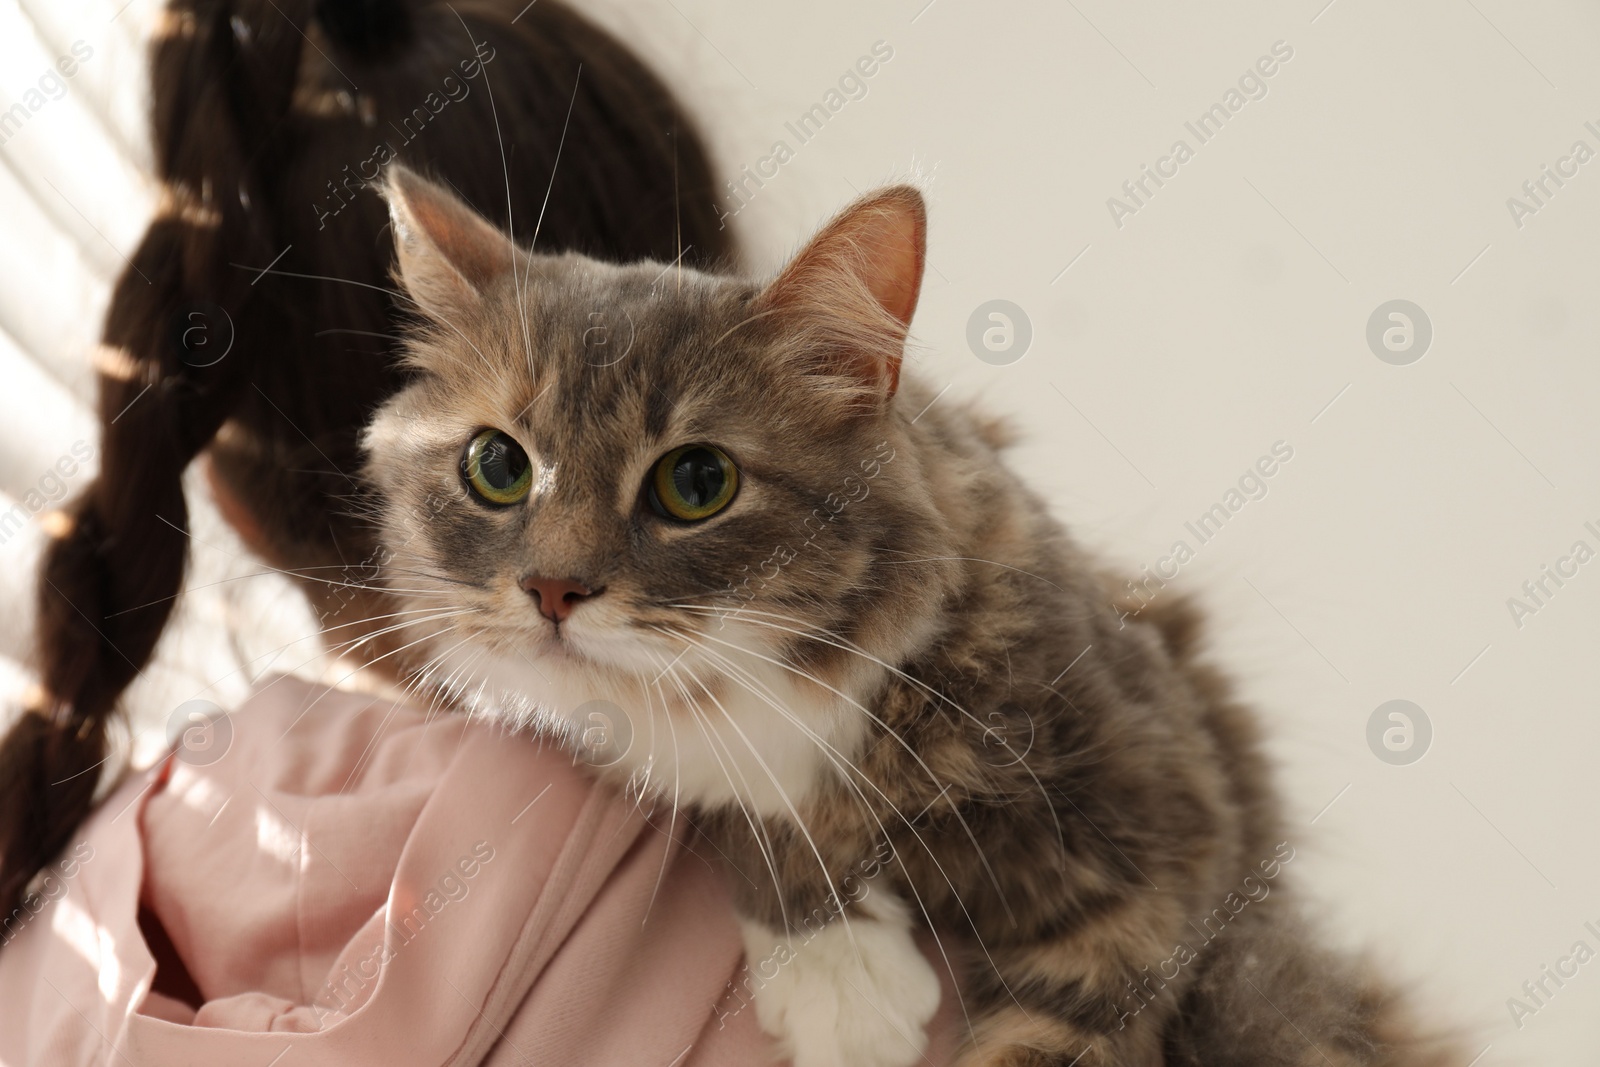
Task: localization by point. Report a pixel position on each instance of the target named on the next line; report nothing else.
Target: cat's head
(684, 518)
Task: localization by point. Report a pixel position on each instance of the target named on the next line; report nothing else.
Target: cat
(851, 646)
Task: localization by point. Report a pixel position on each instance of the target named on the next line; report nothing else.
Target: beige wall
(1225, 316)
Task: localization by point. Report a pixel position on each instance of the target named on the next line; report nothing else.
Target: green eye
(692, 483)
(496, 468)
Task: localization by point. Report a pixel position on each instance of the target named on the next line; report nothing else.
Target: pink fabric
(354, 883)
(519, 910)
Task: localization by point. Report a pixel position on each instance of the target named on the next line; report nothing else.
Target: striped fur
(885, 684)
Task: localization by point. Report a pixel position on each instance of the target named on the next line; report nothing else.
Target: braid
(111, 573)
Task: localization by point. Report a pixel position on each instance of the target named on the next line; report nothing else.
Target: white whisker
(757, 826)
(846, 768)
(794, 813)
(960, 820)
(747, 615)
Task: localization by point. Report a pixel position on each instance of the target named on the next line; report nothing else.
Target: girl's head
(270, 118)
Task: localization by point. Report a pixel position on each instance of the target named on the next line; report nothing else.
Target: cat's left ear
(850, 293)
(449, 255)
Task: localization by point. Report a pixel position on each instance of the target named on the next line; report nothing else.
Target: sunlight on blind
(75, 196)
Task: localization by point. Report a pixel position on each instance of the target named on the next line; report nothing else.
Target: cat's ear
(852, 289)
(449, 254)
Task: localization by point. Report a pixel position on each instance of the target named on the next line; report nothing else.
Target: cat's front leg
(845, 986)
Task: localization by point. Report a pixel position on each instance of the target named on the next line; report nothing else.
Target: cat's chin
(734, 730)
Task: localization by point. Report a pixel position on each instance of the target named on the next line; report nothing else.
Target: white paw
(838, 997)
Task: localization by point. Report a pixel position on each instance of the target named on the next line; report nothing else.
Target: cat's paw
(860, 996)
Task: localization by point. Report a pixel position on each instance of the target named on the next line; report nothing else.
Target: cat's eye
(496, 468)
(692, 483)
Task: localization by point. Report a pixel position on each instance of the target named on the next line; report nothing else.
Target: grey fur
(1064, 830)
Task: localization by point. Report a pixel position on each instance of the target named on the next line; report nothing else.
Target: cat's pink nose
(556, 596)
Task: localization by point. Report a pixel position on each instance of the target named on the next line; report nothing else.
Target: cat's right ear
(449, 255)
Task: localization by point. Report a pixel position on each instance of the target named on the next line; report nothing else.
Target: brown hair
(270, 116)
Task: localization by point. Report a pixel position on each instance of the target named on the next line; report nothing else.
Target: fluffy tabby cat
(849, 643)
